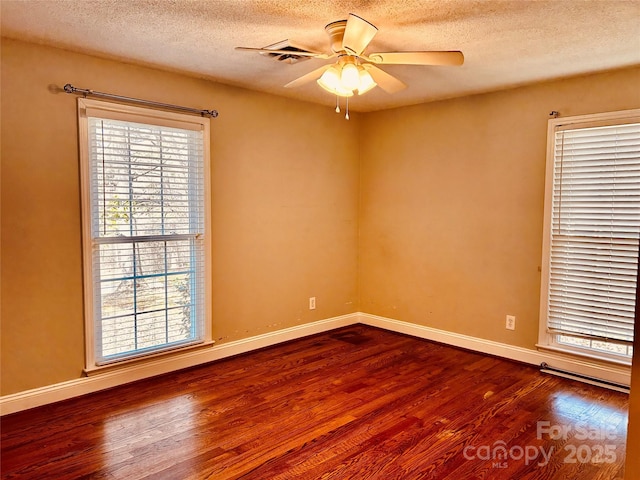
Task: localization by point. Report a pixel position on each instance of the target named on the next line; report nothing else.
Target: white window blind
(595, 225)
(147, 227)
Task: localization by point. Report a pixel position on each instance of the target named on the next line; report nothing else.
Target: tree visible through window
(145, 196)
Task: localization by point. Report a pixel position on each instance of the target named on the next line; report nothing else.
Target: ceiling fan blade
(357, 34)
(388, 83)
(309, 77)
(417, 58)
(287, 52)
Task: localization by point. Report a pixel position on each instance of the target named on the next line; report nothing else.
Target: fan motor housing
(335, 30)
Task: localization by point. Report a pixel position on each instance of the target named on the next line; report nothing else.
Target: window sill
(163, 356)
(579, 354)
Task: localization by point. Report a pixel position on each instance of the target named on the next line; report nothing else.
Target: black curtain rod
(85, 91)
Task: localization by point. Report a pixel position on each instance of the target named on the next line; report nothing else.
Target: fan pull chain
(347, 115)
(337, 104)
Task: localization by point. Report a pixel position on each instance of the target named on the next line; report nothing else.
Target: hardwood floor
(355, 403)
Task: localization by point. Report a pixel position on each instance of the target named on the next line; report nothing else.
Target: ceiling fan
(354, 71)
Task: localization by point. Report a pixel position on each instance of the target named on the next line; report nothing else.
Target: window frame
(548, 340)
(123, 112)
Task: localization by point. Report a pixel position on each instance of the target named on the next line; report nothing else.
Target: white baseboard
(62, 391)
(616, 374)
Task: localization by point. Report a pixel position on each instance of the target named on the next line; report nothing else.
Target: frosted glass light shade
(366, 82)
(330, 79)
(350, 77)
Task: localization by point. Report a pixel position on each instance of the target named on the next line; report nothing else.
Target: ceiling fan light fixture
(331, 82)
(345, 78)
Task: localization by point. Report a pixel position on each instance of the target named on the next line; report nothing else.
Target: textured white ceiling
(505, 43)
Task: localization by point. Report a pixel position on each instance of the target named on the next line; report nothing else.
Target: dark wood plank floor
(355, 403)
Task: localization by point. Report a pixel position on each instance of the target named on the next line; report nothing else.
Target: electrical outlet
(511, 322)
(312, 303)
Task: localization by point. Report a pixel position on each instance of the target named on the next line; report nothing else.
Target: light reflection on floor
(570, 410)
(127, 435)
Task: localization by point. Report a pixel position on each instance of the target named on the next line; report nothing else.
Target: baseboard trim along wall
(615, 374)
(81, 386)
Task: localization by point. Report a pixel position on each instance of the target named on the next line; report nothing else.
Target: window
(145, 230)
(592, 226)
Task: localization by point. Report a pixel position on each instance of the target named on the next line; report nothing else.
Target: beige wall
(449, 196)
(285, 178)
(452, 204)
